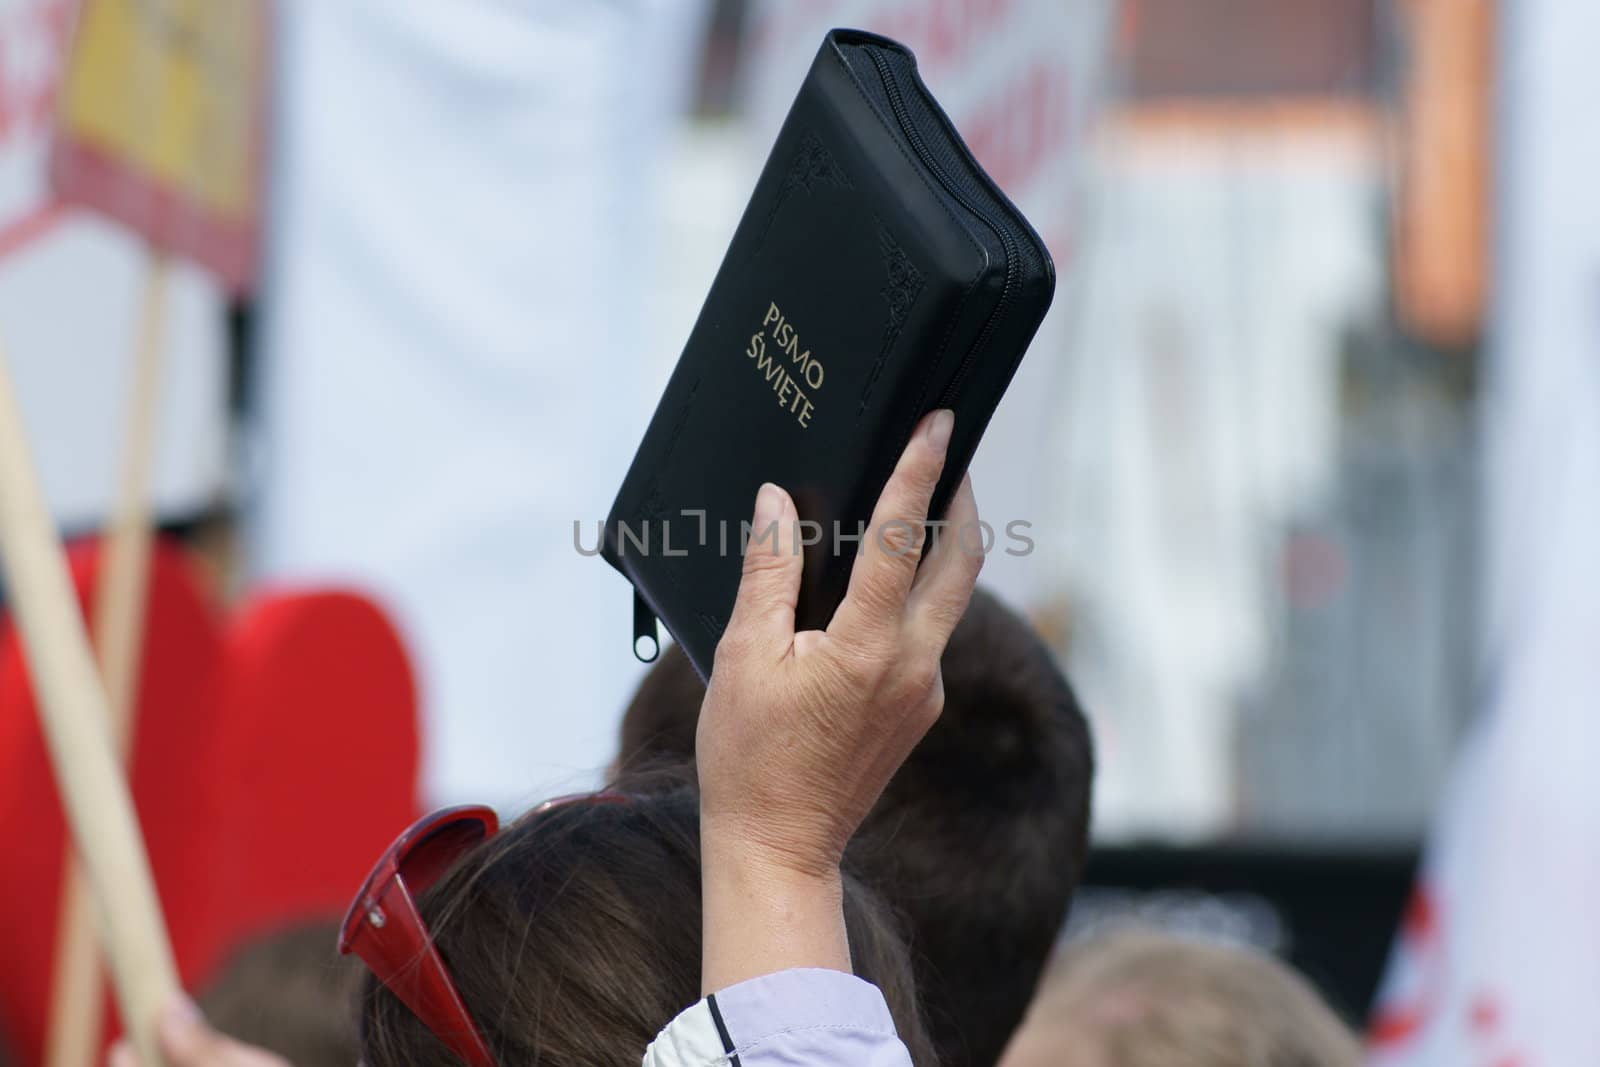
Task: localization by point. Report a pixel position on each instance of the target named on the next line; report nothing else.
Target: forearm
(761, 916)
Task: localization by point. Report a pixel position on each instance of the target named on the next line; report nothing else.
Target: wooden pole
(73, 711)
(73, 1036)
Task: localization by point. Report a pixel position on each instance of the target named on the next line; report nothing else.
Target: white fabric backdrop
(455, 323)
(1499, 961)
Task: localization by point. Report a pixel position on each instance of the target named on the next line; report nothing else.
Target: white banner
(457, 334)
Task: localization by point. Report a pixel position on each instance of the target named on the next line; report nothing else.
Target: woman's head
(573, 936)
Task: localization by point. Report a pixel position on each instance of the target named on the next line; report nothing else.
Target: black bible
(877, 274)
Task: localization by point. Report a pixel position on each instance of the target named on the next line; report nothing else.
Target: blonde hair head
(1138, 998)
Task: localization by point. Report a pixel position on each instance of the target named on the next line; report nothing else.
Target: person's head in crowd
(290, 992)
(979, 839)
(1139, 998)
(573, 936)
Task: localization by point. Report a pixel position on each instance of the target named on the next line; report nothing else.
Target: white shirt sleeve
(802, 1016)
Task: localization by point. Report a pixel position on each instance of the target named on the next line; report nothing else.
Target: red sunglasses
(384, 928)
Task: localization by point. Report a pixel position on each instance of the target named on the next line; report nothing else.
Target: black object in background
(1331, 913)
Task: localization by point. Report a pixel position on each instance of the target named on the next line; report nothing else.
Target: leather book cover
(877, 274)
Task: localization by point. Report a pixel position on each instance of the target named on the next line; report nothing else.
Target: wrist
(766, 910)
(775, 875)
(785, 855)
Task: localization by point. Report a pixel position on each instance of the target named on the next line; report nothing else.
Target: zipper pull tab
(646, 641)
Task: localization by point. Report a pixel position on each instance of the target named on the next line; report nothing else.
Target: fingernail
(769, 506)
(939, 428)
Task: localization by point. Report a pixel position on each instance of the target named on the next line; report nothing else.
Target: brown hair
(1137, 998)
(290, 992)
(573, 937)
(979, 839)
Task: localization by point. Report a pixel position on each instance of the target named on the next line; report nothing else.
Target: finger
(892, 546)
(943, 586)
(122, 1055)
(769, 588)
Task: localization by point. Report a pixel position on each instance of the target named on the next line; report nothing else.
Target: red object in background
(319, 745)
(271, 760)
(182, 651)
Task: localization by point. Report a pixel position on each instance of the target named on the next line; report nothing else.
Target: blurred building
(1268, 484)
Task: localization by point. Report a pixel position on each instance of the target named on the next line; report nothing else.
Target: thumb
(770, 585)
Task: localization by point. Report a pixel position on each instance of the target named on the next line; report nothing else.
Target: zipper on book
(914, 135)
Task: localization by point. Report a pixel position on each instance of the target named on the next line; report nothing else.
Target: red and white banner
(1019, 79)
(1022, 81)
(69, 293)
(1498, 961)
(160, 125)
